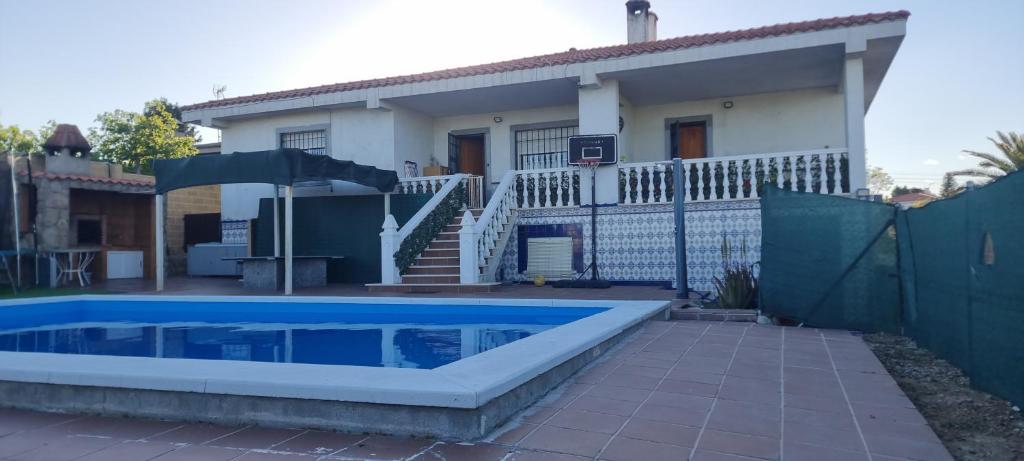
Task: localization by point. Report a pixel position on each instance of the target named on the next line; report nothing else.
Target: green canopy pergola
(280, 167)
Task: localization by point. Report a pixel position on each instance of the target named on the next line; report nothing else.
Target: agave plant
(737, 289)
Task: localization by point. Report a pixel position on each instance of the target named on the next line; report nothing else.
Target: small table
(267, 272)
(72, 262)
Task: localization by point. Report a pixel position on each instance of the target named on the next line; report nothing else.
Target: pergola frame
(280, 167)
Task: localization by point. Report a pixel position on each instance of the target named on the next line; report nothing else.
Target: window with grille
(540, 148)
(313, 142)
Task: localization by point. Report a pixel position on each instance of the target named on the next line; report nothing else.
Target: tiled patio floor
(675, 391)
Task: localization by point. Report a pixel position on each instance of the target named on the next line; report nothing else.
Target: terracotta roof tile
(571, 57)
(96, 179)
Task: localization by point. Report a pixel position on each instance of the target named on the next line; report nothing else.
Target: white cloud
(930, 161)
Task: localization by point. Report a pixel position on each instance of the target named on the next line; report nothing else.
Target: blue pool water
(376, 335)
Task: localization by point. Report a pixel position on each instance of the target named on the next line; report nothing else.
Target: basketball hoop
(588, 163)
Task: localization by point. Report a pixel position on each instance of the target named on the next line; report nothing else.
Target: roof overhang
(779, 63)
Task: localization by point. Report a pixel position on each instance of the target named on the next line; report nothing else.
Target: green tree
(46, 131)
(14, 139)
(878, 180)
(135, 140)
(949, 186)
(1011, 149)
(183, 128)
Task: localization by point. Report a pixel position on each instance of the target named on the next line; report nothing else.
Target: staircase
(439, 263)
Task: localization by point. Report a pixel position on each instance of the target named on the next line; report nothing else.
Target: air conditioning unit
(550, 257)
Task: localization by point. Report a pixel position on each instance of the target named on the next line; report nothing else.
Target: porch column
(277, 224)
(161, 246)
(599, 114)
(853, 97)
(388, 246)
(289, 236)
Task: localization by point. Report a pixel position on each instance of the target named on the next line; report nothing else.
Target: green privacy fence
(950, 274)
(346, 226)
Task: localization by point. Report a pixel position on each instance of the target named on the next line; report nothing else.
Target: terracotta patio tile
(255, 437)
(568, 441)
(66, 448)
(652, 362)
(511, 434)
(757, 371)
(739, 444)
(887, 413)
(13, 445)
(618, 393)
(195, 433)
(544, 456)
(801, 452)
(628, 380)
(464, 452)
(602, 405)
(587, 421)
(820, 404)
(656, 431)
(688, 388)
(836, 421)
(274, 456)
(671, 399)
(319, 442)
(628, 449)
(696, 376)
(745, 424)
(650, 372)
(385, 447)
(537, 415)
(13, 420)
(704, 455)
(200, 453)
(906, 448)
(130, 451)
(813, 434)
(912, 431)
(683, 416)
(119, 428)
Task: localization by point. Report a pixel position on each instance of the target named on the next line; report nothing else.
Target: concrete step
(432, 270)
(444, 245)
(715, 315)
(432, 279)
(435, 261)
(440, 253)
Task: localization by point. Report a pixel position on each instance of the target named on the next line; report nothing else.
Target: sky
(957, 78)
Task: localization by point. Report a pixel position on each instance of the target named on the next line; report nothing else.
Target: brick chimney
(641, 22)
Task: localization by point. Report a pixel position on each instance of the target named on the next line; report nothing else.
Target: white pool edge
(466, 384)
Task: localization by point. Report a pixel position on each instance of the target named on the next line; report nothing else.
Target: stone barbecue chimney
(641, 22)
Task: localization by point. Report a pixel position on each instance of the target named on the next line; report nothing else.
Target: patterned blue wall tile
(636, 243)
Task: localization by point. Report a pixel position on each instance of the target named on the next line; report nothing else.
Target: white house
(782, 104)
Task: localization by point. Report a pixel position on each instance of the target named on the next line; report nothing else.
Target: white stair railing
(478, 241)
(391, 237)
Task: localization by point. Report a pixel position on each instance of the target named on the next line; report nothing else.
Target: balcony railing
(543, 160)
(739, 177)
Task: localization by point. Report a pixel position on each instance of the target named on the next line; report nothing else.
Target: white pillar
(161, 246)
(277, 224)
(16, 208)
(599, 114)
(289, 236)
(469, 266)
(388, 246)
(853, 97)
(387, 203)
(469, 341)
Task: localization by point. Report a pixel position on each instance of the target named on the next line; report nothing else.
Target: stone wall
(181, 202)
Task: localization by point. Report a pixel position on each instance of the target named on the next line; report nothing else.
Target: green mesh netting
(959, 289)
(828, 261)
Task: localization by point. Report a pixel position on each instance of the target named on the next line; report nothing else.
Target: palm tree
(1011, 145)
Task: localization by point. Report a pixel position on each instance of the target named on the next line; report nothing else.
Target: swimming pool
(396, 335)
(451, 368)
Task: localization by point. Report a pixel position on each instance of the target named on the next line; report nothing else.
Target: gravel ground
(974, 425)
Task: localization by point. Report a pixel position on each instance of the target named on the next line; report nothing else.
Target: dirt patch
(974, 425)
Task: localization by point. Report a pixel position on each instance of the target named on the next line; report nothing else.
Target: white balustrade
(550, 188)
(422, 184)
(734, 177)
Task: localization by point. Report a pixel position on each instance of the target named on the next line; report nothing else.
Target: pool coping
(466, 384)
